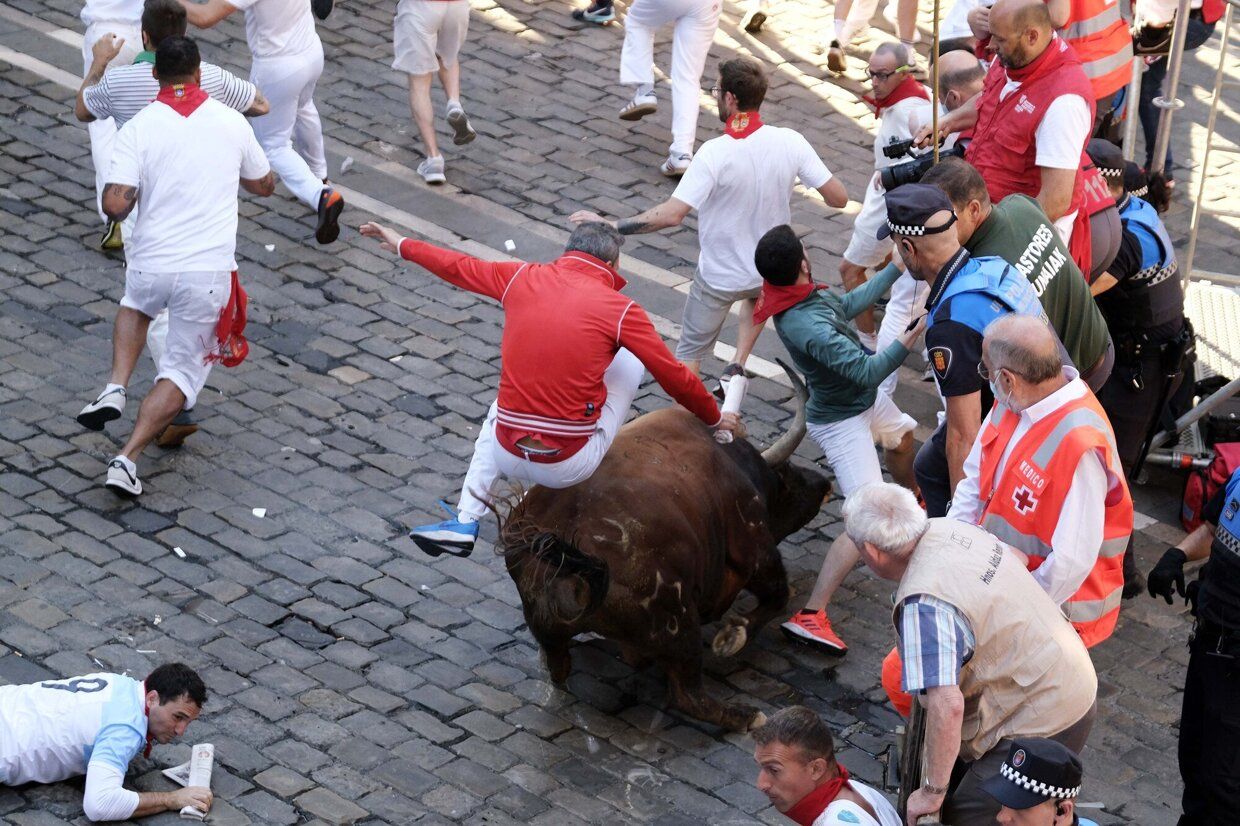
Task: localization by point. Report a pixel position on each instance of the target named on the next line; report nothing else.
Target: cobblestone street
(353, 679)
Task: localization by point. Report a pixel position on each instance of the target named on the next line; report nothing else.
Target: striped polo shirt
(125, 91)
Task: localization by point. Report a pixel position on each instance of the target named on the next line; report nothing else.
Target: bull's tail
(558, 579)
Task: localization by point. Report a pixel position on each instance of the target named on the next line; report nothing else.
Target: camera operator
(1031, 120)
(902, 106)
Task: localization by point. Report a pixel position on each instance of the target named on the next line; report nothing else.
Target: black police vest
(1218, 601)
(1154, 297)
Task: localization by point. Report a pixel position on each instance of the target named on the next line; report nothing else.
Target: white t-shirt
(126, 90)
(187, 172)
(278, 28)
(956, 22)
(847, 813)
(53, 730)
(112, 11)
(741, 189)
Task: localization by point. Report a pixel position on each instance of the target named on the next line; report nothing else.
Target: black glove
(1190, 595)
(1169, 571)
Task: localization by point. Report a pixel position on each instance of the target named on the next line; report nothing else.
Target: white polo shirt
(53, 730)
(187, 171)
(278, 28)
(741, 188)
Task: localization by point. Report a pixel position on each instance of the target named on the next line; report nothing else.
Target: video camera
(910, 172)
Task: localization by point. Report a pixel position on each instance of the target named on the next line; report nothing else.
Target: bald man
(1032, 118)
(1044, 475)
(961, 76)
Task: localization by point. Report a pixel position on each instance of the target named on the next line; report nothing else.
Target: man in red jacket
(574, 351)
(1031, 120)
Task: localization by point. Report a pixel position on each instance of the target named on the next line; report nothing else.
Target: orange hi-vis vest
(1024, 508)
(1102, 41)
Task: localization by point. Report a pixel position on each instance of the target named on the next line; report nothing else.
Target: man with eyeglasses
(902, 106)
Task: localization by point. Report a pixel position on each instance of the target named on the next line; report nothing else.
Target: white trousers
(907, 301)
(695, 24)
(288, 84)
(864, 248)
(848, 445)
(491, 459)
(103, 132)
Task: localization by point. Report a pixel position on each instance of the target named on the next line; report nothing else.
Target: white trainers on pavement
(676, 165)
(123, 478)
(107, 407)
(431, 170)
(639, 107)
(459, 121)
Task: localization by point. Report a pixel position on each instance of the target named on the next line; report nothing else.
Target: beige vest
(1030, 675)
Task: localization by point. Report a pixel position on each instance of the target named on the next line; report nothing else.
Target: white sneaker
(459, 121)
(676, 165)
(431, 170)
(123, 478)
(107, 407)
(639, 107)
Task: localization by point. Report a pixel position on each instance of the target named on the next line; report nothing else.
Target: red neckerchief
(742, 124)
(231, 347)
(774, 299)
(146, 752)
(907, 88)
(808, 808)
(1056, 53)
(184, 98)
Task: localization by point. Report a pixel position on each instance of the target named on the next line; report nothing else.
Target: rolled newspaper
(733, 395)
(202, 758)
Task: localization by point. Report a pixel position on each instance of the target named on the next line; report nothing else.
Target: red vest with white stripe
(1100, 37)
(1024, 508)
(1004, 147)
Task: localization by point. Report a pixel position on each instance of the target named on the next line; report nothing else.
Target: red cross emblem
(1024, 500)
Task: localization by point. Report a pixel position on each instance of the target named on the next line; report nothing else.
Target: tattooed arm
(104, 52)
(262, 187)
(119, 200)
(670, 213)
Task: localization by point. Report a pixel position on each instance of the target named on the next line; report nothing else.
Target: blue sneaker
(450, 536)
(599, 12)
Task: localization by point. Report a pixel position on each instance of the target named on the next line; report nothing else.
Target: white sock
(108, 388)
(644, 89)
(839, 31)
(455, 104)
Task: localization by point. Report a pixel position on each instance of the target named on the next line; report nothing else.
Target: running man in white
(741, 184)
(119, 19)
(694, 27)
(427, 37)
(94, 725)
(287, 59)
(179, 161)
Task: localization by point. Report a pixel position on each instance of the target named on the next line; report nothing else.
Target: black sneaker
(321, 8)
(331, 204)
(600, 12)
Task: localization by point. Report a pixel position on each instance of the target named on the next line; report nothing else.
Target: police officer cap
(1036, 770)
(1135, 180)
(910, 206)
(1107, 157)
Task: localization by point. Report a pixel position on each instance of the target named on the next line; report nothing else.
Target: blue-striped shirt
(935, 642)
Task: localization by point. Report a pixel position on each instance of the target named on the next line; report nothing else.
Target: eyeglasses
(714, 91)
(984, 372)
(873, 75)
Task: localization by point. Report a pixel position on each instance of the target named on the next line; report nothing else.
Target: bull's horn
(786, 445)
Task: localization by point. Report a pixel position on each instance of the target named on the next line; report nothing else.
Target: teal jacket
(840, 374)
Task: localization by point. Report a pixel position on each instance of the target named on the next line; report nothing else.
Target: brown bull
(659, 541)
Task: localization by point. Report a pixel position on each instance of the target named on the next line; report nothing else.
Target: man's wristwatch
(938, 791)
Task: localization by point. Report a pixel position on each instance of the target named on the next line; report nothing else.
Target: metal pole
(1203, 170)
(1132, 101)
(1168, 102)
(934, 84)
(1202, 410)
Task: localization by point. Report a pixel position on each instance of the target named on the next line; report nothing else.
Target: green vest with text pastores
(1018, 231)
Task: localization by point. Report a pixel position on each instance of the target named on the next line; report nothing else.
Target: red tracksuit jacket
(563, 324)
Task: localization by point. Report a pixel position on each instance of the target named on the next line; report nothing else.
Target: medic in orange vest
(1044, 476)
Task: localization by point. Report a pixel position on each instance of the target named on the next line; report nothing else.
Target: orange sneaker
(813, 628)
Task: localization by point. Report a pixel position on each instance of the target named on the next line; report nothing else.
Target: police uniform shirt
(1218, 600)
(955, 348)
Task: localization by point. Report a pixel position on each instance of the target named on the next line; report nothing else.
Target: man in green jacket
(846, 415)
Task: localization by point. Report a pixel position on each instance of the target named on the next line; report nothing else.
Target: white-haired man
(989, 653)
